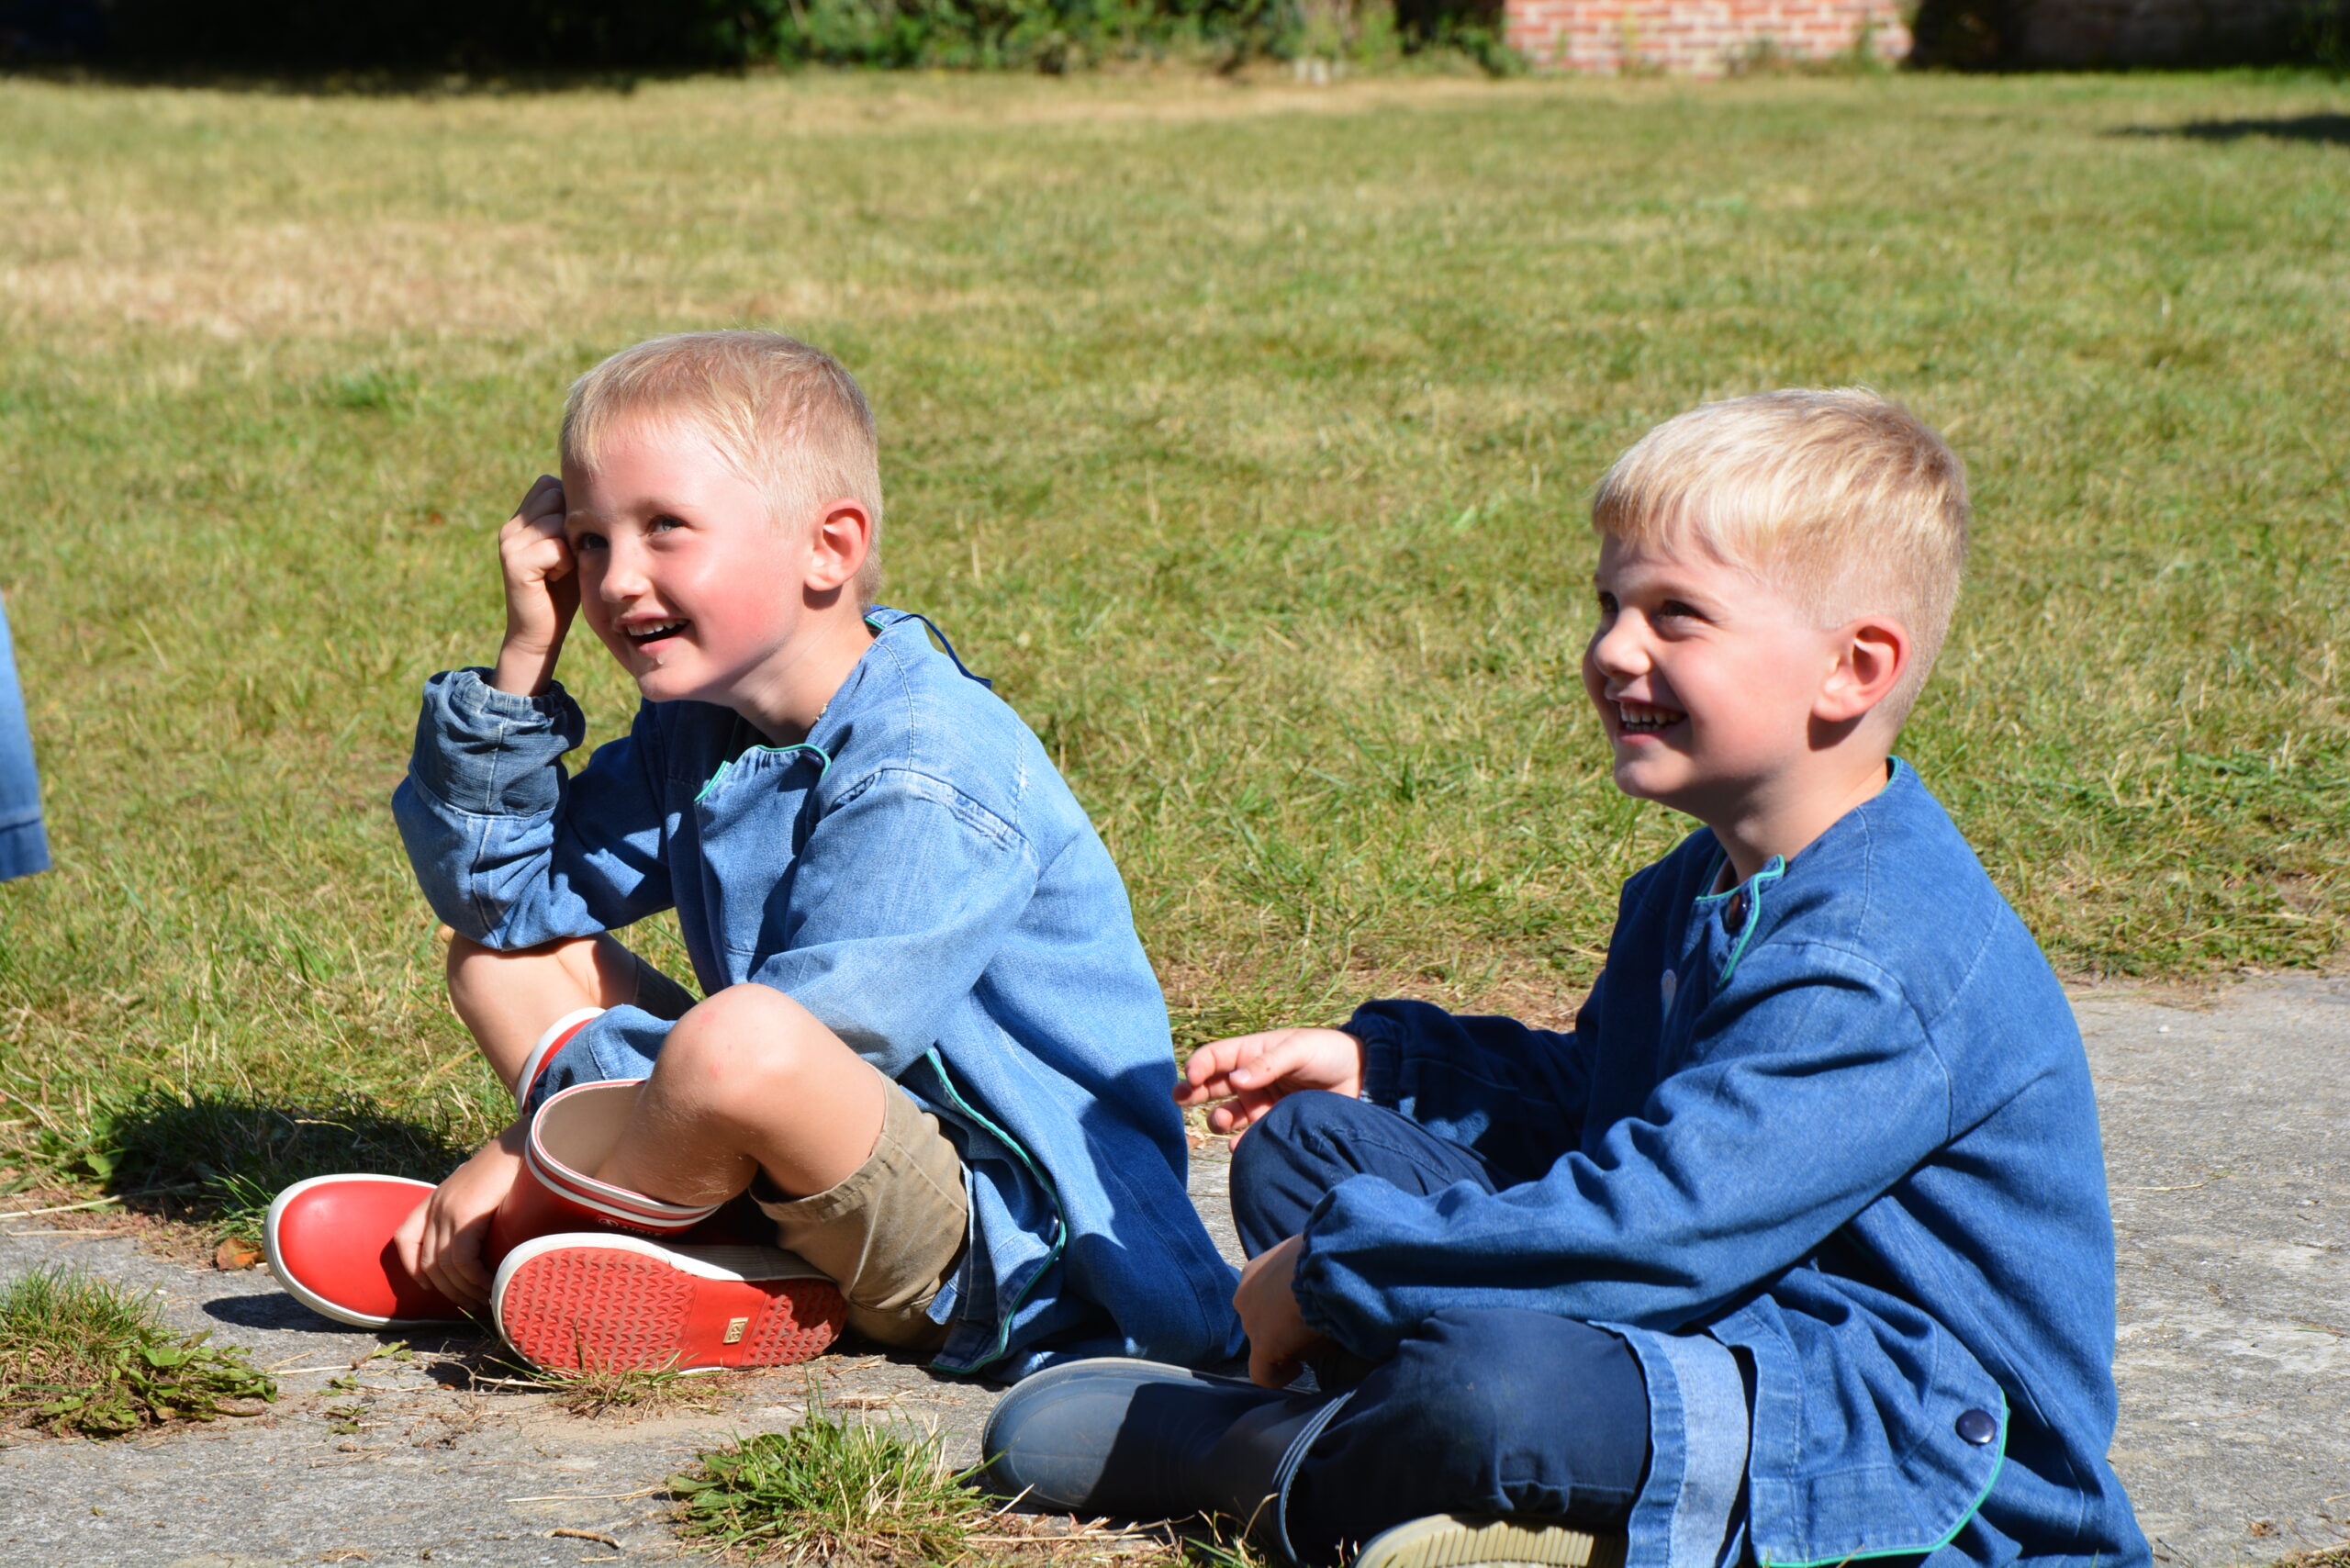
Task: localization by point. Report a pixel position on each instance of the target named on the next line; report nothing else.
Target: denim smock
(1837, 1119)
(918, 876)
(24, 846)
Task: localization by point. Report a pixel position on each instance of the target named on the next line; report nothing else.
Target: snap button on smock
(1977, 1427)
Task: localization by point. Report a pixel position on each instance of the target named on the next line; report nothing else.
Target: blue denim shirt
(915, 874)
(24, 847)
(1839, 1120)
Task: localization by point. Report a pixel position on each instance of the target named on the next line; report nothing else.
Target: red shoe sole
(613, 1303)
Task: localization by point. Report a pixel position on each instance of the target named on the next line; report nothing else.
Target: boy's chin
(1642, 779)
(658, 685)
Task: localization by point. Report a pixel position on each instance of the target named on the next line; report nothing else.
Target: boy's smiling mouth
(1645, 718)
(651, 632)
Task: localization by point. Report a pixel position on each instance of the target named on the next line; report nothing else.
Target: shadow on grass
(2331, 129)
(218, 1160)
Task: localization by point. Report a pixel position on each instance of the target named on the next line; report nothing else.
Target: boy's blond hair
(1842, 499)
(783, 416)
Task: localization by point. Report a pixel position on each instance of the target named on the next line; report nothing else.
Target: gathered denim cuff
(24, 849)
(469, 694)
(1382, 1055)
(488, 753)
(1690, 1512)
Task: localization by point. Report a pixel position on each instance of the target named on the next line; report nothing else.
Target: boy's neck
(1781, 822)
(789, 693)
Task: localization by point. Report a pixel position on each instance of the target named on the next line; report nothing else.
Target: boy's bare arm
(541, 591)
(1250, 1074)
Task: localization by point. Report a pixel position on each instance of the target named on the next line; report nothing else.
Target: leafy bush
(507, 35)
(1974, 35)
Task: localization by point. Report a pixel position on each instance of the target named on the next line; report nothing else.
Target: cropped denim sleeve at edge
(24, 846)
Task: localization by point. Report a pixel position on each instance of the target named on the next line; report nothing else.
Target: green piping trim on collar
(1752, 887)
(728, 766)
(1060, 1224)
(1948, 1536)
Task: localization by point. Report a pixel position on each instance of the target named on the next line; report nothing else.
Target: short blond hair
(782, 415)
(1842, 499)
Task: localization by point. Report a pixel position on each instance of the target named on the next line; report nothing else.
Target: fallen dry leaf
(235, 1253)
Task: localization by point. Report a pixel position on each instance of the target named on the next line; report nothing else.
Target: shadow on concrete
(266, 1309)
(2333, 129)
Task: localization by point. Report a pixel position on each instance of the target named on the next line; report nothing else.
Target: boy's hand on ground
(442, 1243)
(1278, 1340)
(1252, 1073)
(542, 589)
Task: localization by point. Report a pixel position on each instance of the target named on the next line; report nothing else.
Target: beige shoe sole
(1448, 1540)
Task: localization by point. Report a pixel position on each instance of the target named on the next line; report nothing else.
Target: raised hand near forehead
(1245, 1077)
(542, 589)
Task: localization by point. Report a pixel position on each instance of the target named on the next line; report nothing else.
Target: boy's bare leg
(508, 998)
(749, 1080)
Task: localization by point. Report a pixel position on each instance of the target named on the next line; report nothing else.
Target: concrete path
(2228, 1141)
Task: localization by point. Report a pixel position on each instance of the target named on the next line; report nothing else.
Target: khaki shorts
(891, 1234)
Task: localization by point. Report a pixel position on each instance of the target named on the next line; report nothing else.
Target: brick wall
(1696, 38)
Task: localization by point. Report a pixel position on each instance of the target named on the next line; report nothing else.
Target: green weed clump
(832, 1492)
(82, 1356)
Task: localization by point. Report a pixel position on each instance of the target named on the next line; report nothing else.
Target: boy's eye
(1675, 609)
(1607, 606)
(664, 523)
(586, 540)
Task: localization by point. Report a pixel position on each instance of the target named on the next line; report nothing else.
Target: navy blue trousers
(1481, 1411)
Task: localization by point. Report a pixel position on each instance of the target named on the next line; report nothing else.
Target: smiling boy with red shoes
(923, 1094)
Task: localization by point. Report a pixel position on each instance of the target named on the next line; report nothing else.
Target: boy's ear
(1872, 656)
(837, 546)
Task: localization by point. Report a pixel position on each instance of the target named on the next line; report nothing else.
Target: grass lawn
(1242, 432)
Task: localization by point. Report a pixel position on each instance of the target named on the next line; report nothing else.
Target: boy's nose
(623, 575)
(1618, 649)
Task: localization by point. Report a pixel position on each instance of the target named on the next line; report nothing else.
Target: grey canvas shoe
(1140, 1440)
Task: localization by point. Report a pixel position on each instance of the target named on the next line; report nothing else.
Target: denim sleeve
(898, 902)
(1809, 1091)
(1513, 1094)
(24, 847)
(511, 850)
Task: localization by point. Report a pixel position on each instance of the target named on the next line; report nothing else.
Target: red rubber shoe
(329, 1242)
(613, 1302)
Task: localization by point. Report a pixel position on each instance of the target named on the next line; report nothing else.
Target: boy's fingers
(1280, 1057)
(537, 500)
(1214, 1060)
(1268, 1370)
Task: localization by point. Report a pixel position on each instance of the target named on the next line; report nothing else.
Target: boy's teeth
(1645, 717)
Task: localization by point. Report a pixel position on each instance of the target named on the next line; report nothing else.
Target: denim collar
(1740, 908)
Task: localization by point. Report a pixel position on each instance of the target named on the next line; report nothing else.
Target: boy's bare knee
(747, 1045)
